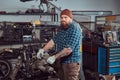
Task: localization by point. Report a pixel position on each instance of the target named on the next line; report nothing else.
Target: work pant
(68, 71)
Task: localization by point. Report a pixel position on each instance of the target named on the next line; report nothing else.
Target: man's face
(65, 21)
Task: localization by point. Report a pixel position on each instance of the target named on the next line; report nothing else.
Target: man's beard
(64, 24)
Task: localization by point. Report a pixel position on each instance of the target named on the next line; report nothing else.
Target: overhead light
(25, 0)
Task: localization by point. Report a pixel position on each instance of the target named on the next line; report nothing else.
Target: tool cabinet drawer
(114, 69)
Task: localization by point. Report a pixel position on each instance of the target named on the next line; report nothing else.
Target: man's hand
(40, 53)
(51, 59)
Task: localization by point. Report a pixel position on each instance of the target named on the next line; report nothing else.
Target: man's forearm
(49, 45)
(63, 53)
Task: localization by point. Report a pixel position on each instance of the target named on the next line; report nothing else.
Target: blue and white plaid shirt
(72, 38)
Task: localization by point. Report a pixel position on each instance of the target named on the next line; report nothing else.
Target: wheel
(5, 68)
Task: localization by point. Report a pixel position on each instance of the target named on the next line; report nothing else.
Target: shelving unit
(46, 33)
(28, 17)
(100, 56)
(24, 19)
(107, 23)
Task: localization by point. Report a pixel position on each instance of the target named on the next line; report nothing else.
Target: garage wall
(110, 5)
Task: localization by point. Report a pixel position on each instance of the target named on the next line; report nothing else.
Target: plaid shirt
(70, 37)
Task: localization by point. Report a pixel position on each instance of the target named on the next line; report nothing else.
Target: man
(68, 40)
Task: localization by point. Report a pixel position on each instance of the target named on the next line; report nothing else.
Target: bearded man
(68, 41)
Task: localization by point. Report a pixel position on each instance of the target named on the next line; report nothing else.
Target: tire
(5, 68)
